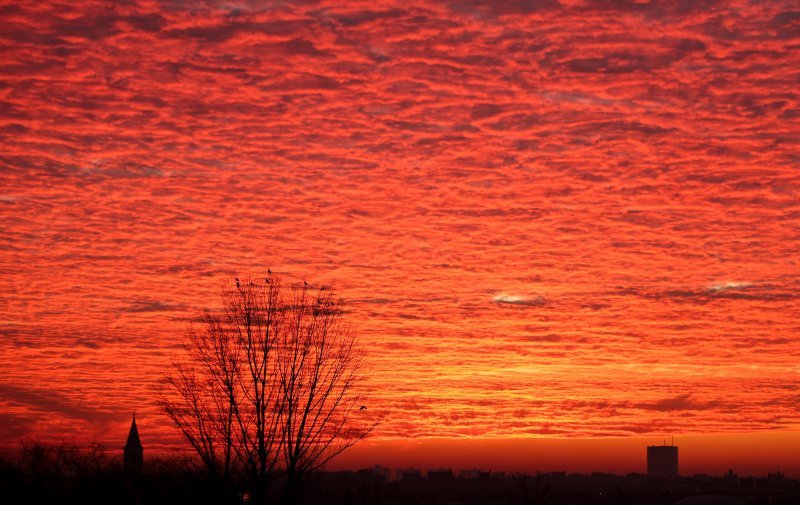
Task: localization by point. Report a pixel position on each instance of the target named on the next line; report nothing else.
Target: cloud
(508, 7)
(677, 403)
(728, 285)
(52, 403)
(634, 161)
(728, 290)
(506, 299)
(550, 337)
(145, 305)
(222, 31)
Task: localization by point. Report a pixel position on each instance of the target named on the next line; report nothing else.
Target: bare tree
(203, 395)
(270, 384)
(320, 368)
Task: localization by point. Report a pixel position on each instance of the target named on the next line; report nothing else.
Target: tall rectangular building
(662, 460)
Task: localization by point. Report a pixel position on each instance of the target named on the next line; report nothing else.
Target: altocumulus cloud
(258, 132)
(506, 299)
(728, 285)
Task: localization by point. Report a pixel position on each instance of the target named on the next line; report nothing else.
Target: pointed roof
(133, 436)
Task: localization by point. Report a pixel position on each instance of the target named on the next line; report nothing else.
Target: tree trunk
(290, 489)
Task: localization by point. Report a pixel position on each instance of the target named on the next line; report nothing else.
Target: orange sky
(570, 222)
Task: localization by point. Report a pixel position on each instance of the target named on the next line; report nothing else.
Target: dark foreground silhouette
(38, 473)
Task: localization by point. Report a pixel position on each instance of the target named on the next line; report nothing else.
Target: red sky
(571, 225)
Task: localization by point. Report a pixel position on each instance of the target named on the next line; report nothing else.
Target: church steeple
(133, 436)
(133, 452)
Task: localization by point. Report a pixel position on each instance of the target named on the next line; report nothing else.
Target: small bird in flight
(363, 408)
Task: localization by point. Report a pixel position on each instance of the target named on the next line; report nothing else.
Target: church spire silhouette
(133, 452)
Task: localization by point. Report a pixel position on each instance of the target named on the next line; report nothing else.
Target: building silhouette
(133, 453)
(408, 474)
(474, 474)
(441, 475)
(662, 460)
(381, 473)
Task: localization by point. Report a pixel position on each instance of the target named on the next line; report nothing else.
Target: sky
(559, 227)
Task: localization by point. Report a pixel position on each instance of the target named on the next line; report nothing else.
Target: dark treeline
(558, 488)
(46, 473)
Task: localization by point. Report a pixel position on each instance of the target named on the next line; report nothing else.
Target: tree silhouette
(269, 386)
